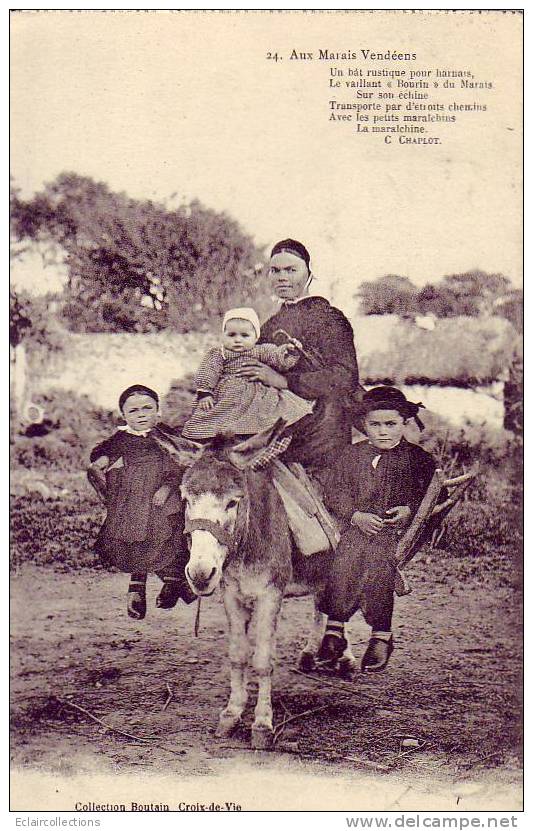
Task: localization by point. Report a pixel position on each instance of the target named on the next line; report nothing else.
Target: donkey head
(215, 492)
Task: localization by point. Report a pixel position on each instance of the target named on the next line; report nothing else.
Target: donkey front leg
(238, 619)
(348, 666)
(266, 618)
(306, 660)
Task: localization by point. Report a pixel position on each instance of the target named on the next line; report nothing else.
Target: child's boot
(137, 597)
(378, 652)
(170, 593)
(333, 643)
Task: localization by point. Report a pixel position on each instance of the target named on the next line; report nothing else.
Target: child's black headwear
(390, 398)
(137, 389)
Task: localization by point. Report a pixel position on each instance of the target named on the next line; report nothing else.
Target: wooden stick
(365, 762)
(197, 619)
(103, 723)
(406, 542)
(98, 481)
(465, 477)
(141, 739)
(283, 724)
(286, 709)
(339, 686)
(170, 696)
(406, 791)
(453, 499)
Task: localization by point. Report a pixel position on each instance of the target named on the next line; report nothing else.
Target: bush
(460, 351)
(459, 448)
(390, 294)
(513, 395)
(75, 426)
(58, 533)
(31, 321)
(470, 294)
(483, 533)
(19, 318)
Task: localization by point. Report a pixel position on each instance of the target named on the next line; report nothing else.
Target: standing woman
(325, 334)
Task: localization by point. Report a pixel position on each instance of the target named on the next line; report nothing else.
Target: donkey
(240, 538)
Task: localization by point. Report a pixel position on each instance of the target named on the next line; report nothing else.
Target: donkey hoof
(306, 662)
(347, 668)
(227, 723)
(262, 738)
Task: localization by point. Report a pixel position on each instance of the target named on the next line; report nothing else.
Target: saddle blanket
(312, 526)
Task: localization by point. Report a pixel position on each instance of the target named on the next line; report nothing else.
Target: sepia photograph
(266, 411)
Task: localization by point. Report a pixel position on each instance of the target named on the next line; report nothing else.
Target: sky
(181, 106)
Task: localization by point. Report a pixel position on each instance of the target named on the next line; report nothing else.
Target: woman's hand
(257, 371)
(398, 515)
(369, 524)
(289, 355)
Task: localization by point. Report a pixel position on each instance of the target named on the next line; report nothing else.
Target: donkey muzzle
(199, 582)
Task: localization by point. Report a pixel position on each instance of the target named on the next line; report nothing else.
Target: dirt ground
(453, 684)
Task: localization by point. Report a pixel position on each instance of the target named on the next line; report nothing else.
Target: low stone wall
(100, 366)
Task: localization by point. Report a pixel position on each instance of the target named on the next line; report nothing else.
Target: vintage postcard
(266, 411)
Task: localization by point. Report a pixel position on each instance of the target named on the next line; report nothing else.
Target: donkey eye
(232, 504)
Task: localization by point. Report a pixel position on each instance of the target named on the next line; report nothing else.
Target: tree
(434, 298)
(134, 265)
(471, 293)
(390, 294)
(19, 319)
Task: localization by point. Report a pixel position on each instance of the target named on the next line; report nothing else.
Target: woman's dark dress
(138, 536)
(323, 329)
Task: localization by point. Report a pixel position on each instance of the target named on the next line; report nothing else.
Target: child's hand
(206, 403)
(398, 515)
(161, 495)
(101, 462)
(369, 524)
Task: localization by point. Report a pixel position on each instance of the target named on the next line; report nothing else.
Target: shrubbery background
(134, 265)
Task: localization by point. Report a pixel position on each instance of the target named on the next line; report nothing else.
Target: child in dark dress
(374, 489)
(143, 530)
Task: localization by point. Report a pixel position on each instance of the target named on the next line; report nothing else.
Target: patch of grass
(58, 532)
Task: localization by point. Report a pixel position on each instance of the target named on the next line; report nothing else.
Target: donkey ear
(183, 451)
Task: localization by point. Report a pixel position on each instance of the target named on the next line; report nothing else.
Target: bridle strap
(219, 532)
(213, 528)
